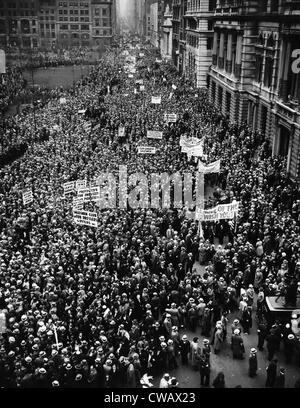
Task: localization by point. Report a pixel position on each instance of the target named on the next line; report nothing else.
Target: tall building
(254, 76)
(53, 23)
(47, 18)
(167, 32)
(140, 7)
(179, 34)
(19, 24)
(154, 24)
(199, 40)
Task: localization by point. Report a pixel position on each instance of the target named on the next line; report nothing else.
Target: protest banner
(121, 131)
(139, 81)
(196, 151)
(142, 54)
(192, 146)
(87, 127)
(171, 117)
(221, 212)
(27, 197)
(89, 194)
(82, 111)
(142, 88)
(130, 76)
(80, 184)
(87, 218)
(69, 187)
(214, 167)
(228, 211)
(156, 100)
(146, 150)
(78, 203)
(2, 322)
(97, 127)
(174, 87)
(153, 134)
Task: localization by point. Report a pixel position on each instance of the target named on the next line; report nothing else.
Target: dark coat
(237, 346)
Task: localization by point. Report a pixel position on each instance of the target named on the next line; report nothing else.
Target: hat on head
(236, 331)
(184, 337)
(55, 383)
(291, 336)
(253, 350)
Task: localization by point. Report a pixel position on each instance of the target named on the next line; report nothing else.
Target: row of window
(72, 4)
(81, 19)
(83, 27)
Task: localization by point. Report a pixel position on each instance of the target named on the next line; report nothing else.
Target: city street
(236, 371)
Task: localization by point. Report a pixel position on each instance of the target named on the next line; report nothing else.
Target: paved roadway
(236, 371)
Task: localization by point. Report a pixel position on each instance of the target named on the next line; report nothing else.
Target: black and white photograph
(149, 197)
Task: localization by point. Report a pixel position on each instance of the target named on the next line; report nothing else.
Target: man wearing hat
(280, 379)
(184, 348)
(204, 368)
(289, 347)
(253, 363)
(164, 382)
(173, 383)
(271, 373)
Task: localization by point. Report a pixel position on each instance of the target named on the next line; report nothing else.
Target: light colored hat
(291, 336)
(236, 331)
(253, 350)
(184, 337)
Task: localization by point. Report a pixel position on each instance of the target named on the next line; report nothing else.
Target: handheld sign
(69, 187)
(86, 218)
(121, 132)
(156, 100)
(153, 134)
(27, 197)
(146, 150)
(171, 118)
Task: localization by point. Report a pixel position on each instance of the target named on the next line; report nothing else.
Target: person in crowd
(253, 363)
(204, 368)
(219, 381)
(237, 345)
(280, 379)
(271, 373)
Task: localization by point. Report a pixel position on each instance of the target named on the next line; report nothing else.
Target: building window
(258, 67)
(268, 71)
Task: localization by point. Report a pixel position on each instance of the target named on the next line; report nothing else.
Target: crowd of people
(105, 306)
(54, 58)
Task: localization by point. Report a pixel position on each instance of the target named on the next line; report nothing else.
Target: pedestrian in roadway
(185, 348)
(219, 381)
(280, 379)
(237, 345)
(204, 368)
(253, 363)
(271, 373)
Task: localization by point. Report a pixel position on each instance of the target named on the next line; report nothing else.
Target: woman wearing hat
(253, 363)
